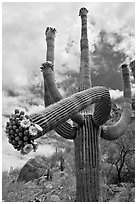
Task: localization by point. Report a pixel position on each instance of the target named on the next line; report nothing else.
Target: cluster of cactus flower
(21, 132)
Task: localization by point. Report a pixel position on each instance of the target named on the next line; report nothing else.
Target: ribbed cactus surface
(87, 161)
(60, 112)
(113, 132)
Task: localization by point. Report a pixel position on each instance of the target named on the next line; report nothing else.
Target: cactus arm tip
(83, 11)
(50, 29)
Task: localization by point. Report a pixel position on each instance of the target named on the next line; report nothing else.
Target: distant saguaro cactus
(90, 125)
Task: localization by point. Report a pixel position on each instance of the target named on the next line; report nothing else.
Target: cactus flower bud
(38, 128)
(28, 148)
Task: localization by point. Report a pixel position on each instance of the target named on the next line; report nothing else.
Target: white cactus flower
(25, 123)
(33, 130)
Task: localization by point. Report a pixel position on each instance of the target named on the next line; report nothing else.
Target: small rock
(33, 169)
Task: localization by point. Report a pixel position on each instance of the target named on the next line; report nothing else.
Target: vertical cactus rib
(87, 162)
(61, 111)
(77, 164)
(115, 131)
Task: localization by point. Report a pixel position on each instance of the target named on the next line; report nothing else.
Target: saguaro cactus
(87, 134)
(89, 125)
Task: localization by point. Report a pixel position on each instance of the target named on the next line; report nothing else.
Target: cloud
(24, 24)
(115, 94)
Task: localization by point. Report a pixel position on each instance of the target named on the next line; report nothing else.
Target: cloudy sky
(24, 47)
(23, 39)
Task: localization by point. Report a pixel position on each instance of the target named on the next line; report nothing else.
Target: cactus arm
(50, 35)
(102, 112)
(49, 74)
(47, 96)
(69, 131)
(113, 132)
(61, 111)
(65, 129)
(49, 78)
(85, 80)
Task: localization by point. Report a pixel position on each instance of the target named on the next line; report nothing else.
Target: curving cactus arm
(48, 74)
(60, 112)
(65, 129)
(113, 132)
(69, 131)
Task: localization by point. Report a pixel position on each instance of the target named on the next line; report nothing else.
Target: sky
(23, 38)
(24, 46)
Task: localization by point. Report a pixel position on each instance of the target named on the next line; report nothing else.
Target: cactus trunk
(86, 141)
(87, 162)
